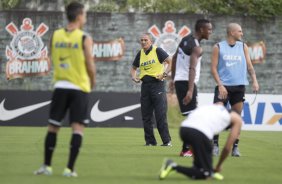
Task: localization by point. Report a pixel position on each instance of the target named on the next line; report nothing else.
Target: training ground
(117, 155)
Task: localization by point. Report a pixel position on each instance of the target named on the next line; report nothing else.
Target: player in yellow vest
(150, 60)
(74, 78)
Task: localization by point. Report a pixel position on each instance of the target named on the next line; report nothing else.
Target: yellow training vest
(68, 58)
(150, 64)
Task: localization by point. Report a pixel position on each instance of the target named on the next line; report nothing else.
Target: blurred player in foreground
(198, 131)
(74, 76)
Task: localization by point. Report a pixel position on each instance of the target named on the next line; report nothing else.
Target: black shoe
(167, 144)
(150, 144)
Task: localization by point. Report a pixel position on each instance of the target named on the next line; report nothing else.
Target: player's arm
(196, 53)
(173, 64)
(214, 64)
(135, 65)
(251, 69)
(236, 123)
(165, 59)
(89, 59)
(173, 68)
(133, 72)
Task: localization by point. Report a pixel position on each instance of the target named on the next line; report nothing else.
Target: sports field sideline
(117, 155)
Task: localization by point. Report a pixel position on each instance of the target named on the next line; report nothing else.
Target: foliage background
(261, 9)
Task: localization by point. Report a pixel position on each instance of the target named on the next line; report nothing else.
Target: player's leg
(147, 114)
(181, 88)
(202, 168)
(79, 119)
(57, 112)
(202, 150)
(50, 143)
(159, 100)
(75, 145)
(237, 99)
(217, 100)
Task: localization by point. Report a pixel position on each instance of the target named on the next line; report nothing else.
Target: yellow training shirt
(150, 64)
(68, 58)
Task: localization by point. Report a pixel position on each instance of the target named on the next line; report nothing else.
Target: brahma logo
(257, 52)
(169, 39)
(108, 51)
(26, 54)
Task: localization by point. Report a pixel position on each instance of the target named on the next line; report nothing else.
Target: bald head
(234, 32)
(232, 27)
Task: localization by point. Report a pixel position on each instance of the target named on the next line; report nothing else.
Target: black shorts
(181, 88)
(68, 99)
(201, 147)
(235, 94)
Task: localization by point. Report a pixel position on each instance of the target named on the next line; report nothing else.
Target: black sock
(75, 144)
(215, 140)
(50, 143)
(236, 143)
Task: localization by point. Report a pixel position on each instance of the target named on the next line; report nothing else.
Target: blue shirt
(232, 64)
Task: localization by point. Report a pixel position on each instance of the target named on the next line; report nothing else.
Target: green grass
(118, 156)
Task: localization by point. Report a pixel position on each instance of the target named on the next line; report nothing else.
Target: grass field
(118, 156)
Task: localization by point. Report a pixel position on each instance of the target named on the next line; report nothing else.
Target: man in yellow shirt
(150, 60)
(74, 78)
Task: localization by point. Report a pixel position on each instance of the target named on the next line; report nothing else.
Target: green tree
(261, 9)
(9, 4)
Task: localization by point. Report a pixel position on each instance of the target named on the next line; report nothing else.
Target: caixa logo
(264, 114)
(261, 115)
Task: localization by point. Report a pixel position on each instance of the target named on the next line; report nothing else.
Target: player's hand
(255, 87)
(217, 169)
(187, 99)
(136, 79)
(93, 83)
(160, 77)
(222, 92)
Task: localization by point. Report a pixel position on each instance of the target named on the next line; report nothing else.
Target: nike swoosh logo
(100, 116)
(230, 64)
(63, 58)
(6, 115)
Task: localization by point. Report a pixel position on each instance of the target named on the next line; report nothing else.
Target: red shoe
(188, 153)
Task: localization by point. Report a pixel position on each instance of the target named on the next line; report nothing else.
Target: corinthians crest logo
(26, 54)
(169, 39)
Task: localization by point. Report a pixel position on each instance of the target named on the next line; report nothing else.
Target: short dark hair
(200, 24)
(73, 10)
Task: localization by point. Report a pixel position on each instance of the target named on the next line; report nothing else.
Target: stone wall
(114, 76)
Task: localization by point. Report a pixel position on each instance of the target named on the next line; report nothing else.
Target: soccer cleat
(187, 153)
(235, 152)
(166, 169)
(167, 144)
(44, 169)
(217, 176)
(68, 173)
(215, 150)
